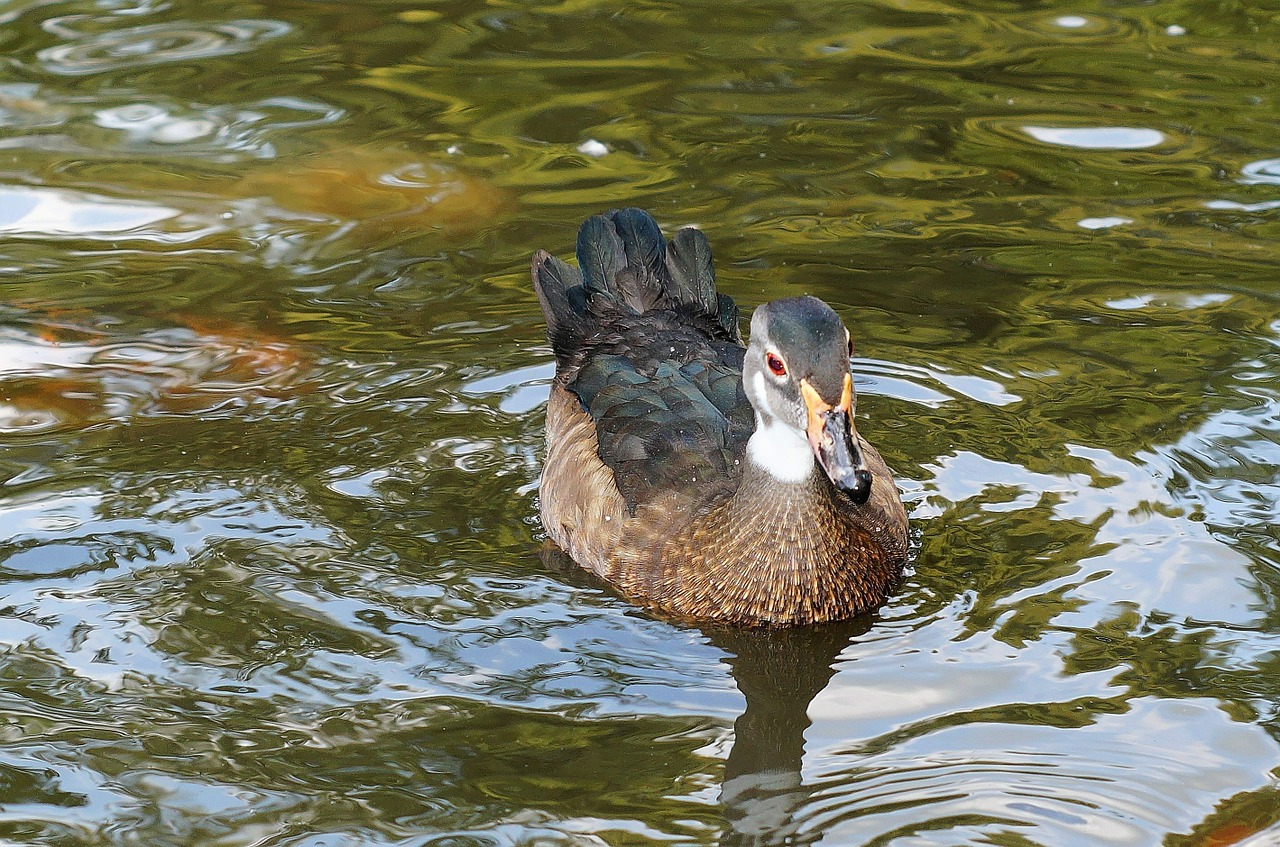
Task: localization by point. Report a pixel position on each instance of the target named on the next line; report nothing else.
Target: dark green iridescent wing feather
(652, 352)
(671, 426)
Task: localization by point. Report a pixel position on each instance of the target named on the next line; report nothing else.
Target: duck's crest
(625, 267)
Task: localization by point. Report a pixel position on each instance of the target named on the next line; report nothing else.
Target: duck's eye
(775, 363)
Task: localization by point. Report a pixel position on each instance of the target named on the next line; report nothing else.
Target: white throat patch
(780, 449)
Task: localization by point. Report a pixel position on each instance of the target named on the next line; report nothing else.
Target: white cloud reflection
(1097, 137)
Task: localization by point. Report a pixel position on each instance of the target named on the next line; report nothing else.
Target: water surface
(272, 380)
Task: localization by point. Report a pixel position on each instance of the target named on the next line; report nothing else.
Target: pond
(273, 376)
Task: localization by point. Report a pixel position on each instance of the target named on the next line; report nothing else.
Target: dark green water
(271, 386)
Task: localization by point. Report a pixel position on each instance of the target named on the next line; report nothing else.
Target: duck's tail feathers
(627, 267)
(564, 301)
(692, 272)
(622, 257)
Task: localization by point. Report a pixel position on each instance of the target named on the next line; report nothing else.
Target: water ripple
(43, 211)
(1261, 172)
(59, 374)
(1167, 764)
(1097, 137)
(206, 131)
(1075, 28)
(155, 44)
(1062, 131)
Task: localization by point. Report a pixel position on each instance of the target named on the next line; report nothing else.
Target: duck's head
(796, 375)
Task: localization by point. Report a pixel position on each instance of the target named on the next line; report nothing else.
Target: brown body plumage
(663, 499)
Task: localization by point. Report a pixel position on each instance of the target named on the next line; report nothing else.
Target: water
(271, 387)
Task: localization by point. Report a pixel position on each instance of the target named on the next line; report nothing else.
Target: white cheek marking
(777, 447)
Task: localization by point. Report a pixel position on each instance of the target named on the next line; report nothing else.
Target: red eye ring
(775, 363)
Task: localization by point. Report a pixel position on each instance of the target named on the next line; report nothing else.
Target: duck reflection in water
(779, 672)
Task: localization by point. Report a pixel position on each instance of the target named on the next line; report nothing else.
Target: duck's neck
(780, 451)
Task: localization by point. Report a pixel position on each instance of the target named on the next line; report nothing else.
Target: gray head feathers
(812, 339)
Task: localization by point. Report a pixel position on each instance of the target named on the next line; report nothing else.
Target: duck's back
(651, 357)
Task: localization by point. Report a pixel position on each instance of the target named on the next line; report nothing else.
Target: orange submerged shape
(368, 186)
(69, 369)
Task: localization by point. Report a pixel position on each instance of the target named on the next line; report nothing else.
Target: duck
(705, 478)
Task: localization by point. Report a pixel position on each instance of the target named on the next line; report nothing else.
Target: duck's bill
(835, 441)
